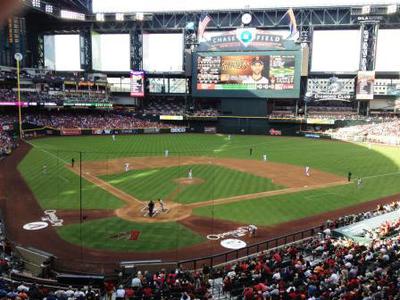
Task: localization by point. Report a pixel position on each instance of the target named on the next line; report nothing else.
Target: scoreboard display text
(255, 74)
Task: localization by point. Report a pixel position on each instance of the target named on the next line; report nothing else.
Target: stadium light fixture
(49, 8)
(36, 3)
(139, 16)
(100, 17)
(119, 16)
(366, 9)
(71, 15)
(391, 9)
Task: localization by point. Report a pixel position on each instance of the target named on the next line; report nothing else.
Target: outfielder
(166, 153)
(113, 137)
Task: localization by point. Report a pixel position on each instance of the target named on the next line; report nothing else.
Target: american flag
(203, 22)
(292, 23)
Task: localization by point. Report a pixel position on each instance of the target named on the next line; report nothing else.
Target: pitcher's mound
(187, 181)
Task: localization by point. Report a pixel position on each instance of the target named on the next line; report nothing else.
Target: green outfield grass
(59, 189)
(98, 234)
(55, 187)
(283, 208)
(219, 182)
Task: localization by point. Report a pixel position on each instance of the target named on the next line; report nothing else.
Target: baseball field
(103, 197)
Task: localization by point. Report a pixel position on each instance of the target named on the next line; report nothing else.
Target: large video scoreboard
(247, 63)
(253, 74)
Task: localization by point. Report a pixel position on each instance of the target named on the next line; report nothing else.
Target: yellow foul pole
(19, 103)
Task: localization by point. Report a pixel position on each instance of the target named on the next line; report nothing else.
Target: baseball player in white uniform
(113, 137)
(162, 206)
(166, 152)
(264, 157)
(307, 171)
(126, 167)
(190, 174)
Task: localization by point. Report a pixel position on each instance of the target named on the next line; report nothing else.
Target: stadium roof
(209, 5)
(83, 6)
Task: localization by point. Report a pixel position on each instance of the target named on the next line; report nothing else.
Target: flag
(292, 23)
(203, 22)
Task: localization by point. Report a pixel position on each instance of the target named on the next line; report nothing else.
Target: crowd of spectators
(321, 268)
(90, 120)
(7, 141)
(177, 108)
(385, 131)
(10, 289)
(206, 112)
(59, 97)
(162, 107)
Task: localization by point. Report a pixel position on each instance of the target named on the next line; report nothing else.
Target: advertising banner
(151, 130)
(320, 121)
(210, 129)
(167, 117)
(137, 84)
(365, 85)
(72, 131)
(178, 130)
(242, 38)
(326, 89)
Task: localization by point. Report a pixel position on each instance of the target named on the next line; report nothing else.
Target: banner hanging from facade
(137, 84)
(365, 85)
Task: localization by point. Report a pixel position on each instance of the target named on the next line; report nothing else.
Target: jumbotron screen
(274, 75)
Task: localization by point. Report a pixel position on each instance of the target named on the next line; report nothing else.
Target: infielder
(190, 174)
(265, 157)
(307, 171)
(161, 203)
(166, 153)
(126, 167)
(359, 182)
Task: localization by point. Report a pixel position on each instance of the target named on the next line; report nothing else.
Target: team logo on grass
(233, 244)
(239, 232)
(35, 226)
(51, 217)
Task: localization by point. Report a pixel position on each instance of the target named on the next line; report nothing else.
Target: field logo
(132, 235)
(240, 231)
(52, 218)
(273, 131)
(35, 226)
(245, 36)
(233, 244)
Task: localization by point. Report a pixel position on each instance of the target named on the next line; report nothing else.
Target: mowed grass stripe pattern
(218, 182)
(330, 156)
(98, 234)
(283, 208)
(55, 187)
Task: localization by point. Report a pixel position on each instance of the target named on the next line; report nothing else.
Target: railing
(260, 247)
